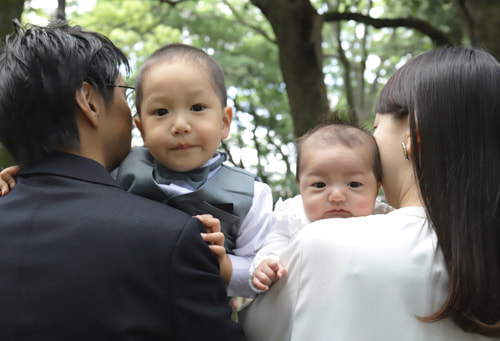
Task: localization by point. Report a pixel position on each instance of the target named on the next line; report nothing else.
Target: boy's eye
(198, 107)
(161, 112)
(319, 185)
(354, 184)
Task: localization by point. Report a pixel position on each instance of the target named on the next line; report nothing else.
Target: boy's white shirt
(289, 218)
(253, 230)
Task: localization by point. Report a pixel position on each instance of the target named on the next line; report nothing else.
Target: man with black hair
(80, 259)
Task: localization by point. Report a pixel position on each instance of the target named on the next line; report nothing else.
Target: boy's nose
(180, 125)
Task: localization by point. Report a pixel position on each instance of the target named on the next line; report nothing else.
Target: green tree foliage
(262, 130)
(292, 63)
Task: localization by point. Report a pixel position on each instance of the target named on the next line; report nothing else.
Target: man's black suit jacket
(80, 259)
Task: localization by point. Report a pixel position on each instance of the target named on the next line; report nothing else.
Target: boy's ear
(86, 102)
(138, 124)
(227, 117)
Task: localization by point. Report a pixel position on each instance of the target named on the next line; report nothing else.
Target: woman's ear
(418, 138)
(409, 146)
(227, 117)
(138, 124)
(85, 99)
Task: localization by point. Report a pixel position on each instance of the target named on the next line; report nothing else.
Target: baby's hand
(7, 179)
(215, 239)
(267, 273)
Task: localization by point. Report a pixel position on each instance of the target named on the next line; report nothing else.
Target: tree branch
(61, 10)
(245, 23)
(225, 147)
(438, 37)
(466, 18)
(174, 2)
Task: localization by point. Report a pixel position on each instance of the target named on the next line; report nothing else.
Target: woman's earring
(405, 151)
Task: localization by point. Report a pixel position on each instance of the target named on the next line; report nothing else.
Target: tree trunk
(482, 20)
(297, 27)
(61, 10)
(9, 9)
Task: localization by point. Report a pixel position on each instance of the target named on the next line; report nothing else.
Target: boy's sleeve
(253, 231)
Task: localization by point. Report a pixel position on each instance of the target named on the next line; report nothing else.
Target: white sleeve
(253, 231)
(289, 217)
(382, 207)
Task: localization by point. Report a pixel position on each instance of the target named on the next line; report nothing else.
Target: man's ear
(227, 117)
(139, 126)
(85, 99)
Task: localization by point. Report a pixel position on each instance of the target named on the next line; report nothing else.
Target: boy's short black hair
(187, 53)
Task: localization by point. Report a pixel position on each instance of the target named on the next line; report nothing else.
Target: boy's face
(182, 120)
(336, 181)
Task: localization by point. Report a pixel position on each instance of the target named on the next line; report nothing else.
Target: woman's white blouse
(365, 278)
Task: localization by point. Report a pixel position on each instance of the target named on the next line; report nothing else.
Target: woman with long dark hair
(429, 270)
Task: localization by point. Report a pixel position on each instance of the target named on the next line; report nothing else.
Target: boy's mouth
(183, 146)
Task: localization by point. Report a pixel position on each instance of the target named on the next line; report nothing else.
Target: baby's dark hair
(345, 134)
(186, 53)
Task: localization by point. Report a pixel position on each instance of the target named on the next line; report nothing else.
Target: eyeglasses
(128, 89)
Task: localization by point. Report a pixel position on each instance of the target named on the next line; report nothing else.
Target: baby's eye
(319, 185)
(198, 107)
(161, 112)
(354, 184)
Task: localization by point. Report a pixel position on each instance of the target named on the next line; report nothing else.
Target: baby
(339, 175)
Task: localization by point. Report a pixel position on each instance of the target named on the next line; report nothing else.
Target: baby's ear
(227, 117)
(138, 124)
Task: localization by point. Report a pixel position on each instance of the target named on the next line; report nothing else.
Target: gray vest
(227, 195)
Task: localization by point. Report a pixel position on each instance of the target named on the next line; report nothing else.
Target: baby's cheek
(307, 206)
(364, 207)
(313, 211)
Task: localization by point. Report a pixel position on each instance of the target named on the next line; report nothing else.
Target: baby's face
(182, 119)
(337, 181)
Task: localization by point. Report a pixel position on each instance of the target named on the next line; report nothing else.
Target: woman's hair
(341, 134)
(40, 70)
(452, 96)
(186, 53)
